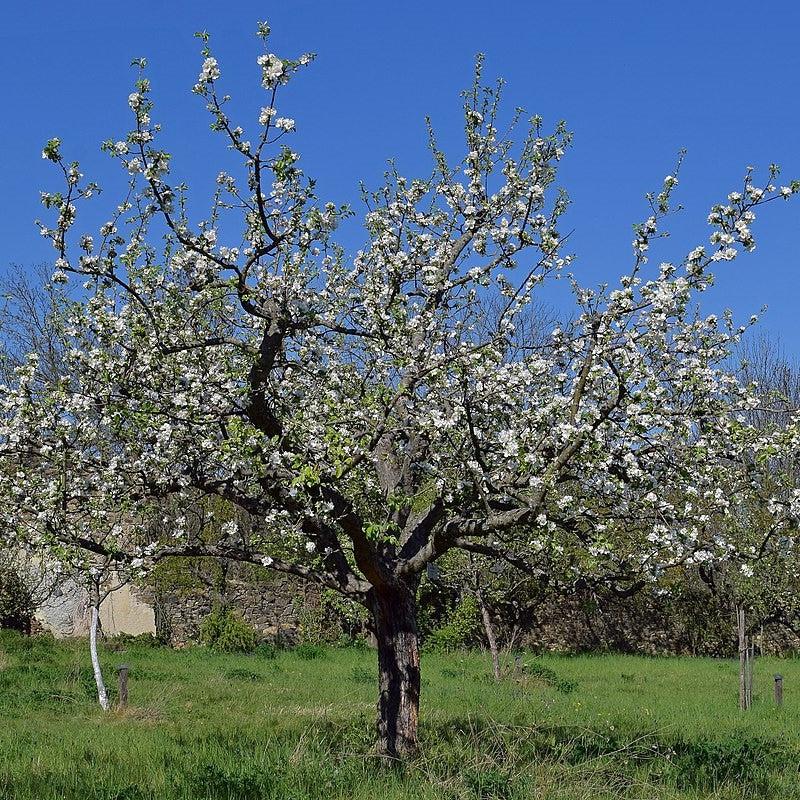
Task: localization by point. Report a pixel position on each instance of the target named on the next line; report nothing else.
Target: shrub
(309, 651)
(226, 632)
(145, 640)
(360, 644)
(118, 642)
(461, 630)
(266, 650)
(331, 620)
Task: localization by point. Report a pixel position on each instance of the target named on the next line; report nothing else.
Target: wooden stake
(779, 690)
(122, 676)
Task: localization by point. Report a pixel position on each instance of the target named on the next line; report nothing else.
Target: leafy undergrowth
(204, 725)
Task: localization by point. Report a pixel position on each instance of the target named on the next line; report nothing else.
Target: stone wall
(647, 624)
(588, 624)
(279, 607)
(274, 608)
(273, 604)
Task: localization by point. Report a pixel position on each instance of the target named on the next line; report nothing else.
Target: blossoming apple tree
(369, 413)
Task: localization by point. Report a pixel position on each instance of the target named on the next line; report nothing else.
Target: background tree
(762, 577)
(474, 593)
(372, 413)
(26, 581)
(29, 309)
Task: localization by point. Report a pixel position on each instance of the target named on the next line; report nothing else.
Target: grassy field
(202, 725)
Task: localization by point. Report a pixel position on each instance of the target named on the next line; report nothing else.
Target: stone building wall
(274, 609)
(272, 603)
(124, 611)
(66, 612)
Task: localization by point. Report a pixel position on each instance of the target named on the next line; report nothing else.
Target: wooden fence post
(779, 690)
(122, 676)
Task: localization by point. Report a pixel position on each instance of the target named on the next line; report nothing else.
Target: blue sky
(636, 81)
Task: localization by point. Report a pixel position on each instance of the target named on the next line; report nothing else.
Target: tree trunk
(745, 663)
(513, 638)
(161, 619)
(394, 610)
(490, 636)
(102, 695)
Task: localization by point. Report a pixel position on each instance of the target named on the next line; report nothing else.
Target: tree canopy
(371, 411)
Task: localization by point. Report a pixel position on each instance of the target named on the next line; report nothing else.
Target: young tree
(101, 581)
(372, 413)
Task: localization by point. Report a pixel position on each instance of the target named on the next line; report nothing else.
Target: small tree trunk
(490, 636)
(102, 694)
(162, 620)
(394, 610)
(513, 638)
(742, 632)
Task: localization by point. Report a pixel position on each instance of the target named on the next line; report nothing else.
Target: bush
(309, 651)
(266, 650)
(461, 630)
(146, 640)
(226, 632)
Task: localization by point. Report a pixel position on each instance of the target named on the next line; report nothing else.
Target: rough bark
(102, 694)
(394, 610)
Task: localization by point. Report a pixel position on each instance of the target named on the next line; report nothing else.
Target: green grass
(204, 725)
